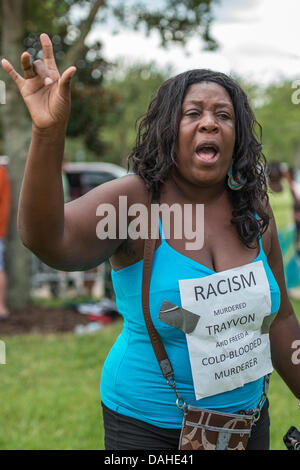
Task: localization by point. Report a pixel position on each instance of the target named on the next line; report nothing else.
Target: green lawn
(49, 392)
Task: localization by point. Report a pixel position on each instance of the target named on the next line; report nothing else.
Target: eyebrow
(219, 104)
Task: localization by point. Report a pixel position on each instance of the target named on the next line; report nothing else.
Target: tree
(279, 118)
(16, 139)
(132, 87)
(21, 21)
(278, 114)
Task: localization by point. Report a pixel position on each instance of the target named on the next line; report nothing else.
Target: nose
(208, 123)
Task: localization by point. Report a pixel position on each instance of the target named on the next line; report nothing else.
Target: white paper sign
(227, 349)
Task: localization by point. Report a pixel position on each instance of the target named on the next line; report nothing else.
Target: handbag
(201, 429)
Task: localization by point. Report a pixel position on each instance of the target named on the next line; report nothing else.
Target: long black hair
(154, 154)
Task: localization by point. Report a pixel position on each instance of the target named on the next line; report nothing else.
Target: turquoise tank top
(132, 383)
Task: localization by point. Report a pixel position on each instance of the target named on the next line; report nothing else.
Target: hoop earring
(232, 183)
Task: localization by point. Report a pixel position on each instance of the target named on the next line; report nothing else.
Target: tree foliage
(133, 87)
(174, 21)
(281, 124)
(279, 119)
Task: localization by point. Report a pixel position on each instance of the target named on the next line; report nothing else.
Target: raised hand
(45, 93)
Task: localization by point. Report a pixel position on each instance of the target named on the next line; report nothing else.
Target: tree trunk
(84, 27)
(16, 137)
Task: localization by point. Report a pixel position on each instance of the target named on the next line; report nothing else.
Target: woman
(198, 129)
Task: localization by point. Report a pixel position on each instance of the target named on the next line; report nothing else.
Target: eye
(224, 116)
(192, 113)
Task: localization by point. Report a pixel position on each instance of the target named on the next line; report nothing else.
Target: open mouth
(207, 152)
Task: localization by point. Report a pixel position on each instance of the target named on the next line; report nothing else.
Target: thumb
(65, 80)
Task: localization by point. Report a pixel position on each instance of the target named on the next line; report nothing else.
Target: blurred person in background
(5, 195)
(289, 174)
(282, 202)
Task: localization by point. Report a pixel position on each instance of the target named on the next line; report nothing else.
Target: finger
(48, 56)
(27, 66)
(19, 81)
(40, 69)
(65, 80)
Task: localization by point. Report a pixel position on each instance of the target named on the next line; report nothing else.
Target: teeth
(206, 150)
(206, 147)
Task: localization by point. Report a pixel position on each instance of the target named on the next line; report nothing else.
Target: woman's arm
(62, 236)
(285, 329)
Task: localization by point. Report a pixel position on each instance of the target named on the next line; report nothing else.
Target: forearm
(41, 203)
(285, 337)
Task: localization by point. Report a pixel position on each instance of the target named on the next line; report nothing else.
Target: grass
(50, 391)
(50, 398)
(284, 411)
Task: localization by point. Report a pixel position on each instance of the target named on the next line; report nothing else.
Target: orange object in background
(5, 197)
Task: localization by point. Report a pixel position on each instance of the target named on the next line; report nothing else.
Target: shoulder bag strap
(158, 347)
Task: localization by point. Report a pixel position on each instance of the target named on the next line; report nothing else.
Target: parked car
(84, 176)
(81, 177)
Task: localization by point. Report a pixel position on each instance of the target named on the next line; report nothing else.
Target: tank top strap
(259, 237)
(161, 232)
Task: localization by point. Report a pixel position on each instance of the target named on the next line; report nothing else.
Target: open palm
(45, 93)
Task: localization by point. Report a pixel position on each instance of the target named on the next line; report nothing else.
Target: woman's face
(206, 134)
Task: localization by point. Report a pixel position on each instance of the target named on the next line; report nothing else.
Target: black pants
(124, 433)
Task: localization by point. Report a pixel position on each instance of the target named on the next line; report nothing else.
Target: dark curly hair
(154, 153)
